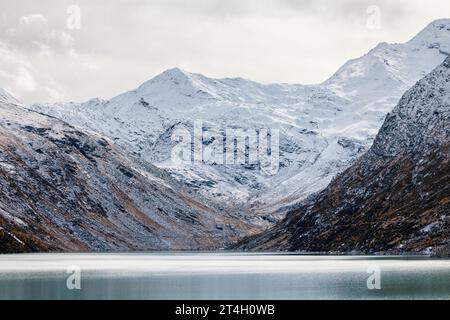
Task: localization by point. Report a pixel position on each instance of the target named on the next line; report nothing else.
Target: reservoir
(212, 275)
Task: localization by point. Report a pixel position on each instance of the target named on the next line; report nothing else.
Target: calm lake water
(222, 276)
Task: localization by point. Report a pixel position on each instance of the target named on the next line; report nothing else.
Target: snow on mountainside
(396, 197)
(323, 128)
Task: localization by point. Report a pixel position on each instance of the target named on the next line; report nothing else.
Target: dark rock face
(395, 198)
(66, 190)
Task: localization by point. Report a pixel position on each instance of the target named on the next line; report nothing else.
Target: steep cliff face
(395, 198)
(66, 190)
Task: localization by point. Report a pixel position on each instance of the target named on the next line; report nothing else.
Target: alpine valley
(99, 175)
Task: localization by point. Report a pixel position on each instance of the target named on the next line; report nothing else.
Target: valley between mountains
(363, 167)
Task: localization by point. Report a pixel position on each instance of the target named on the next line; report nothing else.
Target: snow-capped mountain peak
(393, 67)
(175, 88)
(173, 74)
(173, 77)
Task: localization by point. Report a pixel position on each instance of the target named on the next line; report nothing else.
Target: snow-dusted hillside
(323, 128)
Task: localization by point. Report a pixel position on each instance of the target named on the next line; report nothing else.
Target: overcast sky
(44, 56)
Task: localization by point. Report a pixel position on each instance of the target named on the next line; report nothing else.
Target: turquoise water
(221, 276)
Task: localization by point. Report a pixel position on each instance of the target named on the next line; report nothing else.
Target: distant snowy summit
(394, 66)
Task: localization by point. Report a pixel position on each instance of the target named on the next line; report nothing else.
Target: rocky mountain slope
(394, 198)
(66, 190)
(323, 128)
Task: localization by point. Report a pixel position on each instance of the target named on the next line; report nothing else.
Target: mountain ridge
(324, 128)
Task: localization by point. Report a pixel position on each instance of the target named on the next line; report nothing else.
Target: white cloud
(19, 76)
(24, 80)
(34, 18)
(33, 32)
(54, 95)
(38, 62)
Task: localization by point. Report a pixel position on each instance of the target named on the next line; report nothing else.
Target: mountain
(323, 128)
(62, 189)
(396, 197)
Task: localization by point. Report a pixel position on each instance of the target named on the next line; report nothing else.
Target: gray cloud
(32, 33)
